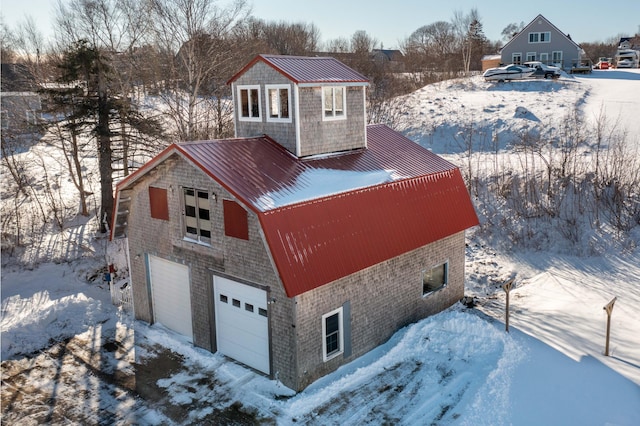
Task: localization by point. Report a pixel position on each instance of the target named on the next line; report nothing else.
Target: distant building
(542, 41)
(20, 103)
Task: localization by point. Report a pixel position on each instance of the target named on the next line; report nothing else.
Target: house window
(158, 203)
(334, 103)
(32, 117)
(5, 119)
(541, 37)
(197, 214)
(278, 101)
(556, 57)
(332, 333)
(531, 56)
(544, 58)
(435, 278)
(249, 98)
(516, 58)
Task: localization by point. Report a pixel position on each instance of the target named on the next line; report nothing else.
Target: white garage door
(171, 295)
(242, 330)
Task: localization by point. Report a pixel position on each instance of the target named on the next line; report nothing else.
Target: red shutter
(235, 220)
(158, 203)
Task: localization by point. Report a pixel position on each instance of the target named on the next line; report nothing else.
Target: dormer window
(278, 101)
(249, 103)
(334, 102)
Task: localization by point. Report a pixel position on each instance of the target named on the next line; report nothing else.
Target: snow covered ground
(69, 356)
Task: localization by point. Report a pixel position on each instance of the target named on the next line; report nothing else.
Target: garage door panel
(171, 295)
(242, 330)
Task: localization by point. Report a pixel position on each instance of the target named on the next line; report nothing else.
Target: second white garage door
(242, 330)
(171, 295)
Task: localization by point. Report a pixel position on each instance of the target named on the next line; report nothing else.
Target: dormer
(309, 105)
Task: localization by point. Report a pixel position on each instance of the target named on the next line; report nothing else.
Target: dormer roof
(308, 70)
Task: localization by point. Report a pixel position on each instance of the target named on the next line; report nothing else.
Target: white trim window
(249, 103)
(544, 58)
(541, 37)
(531, 56)
(197, 215)
(334, 103)
(516, 58)
(332, 334)
(435, 278)
(5, 119)
(278, 102)
(556, 57)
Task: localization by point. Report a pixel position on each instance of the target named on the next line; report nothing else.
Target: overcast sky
(390, 21)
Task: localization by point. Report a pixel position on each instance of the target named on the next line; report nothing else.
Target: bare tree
(195, 36)
(463, 27)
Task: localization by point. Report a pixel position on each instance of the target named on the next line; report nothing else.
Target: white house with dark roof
(542, 41)
(304, 242)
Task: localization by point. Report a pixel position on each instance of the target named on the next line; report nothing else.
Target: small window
(334, 103)
(516, 58)
(278, 101)
(197, 214)
(332, 333)
(249, 107)
(262, 312)
(556, 57)
(248, 307)
(224, 299)
(236, 303)
(531, 56)
(435, 278)
(5, 119)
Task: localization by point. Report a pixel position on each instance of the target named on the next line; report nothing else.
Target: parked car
(543, 70)
(507, 72)
(603, 64)
(626, 63)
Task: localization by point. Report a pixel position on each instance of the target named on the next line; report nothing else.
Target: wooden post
(507, 288)
(608, 307)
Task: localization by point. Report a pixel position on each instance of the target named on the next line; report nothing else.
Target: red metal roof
(303, 69)
(326, 218)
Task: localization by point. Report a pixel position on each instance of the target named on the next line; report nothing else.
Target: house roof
(526, 28)
(328, 217)
(303, 69)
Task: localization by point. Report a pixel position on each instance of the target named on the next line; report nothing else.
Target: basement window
(435, 278)
(249, 103)
(332, 333)
(334, 101)
(197, 215)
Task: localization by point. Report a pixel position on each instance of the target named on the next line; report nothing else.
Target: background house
(19, 101)
(542, 41)
(297, 252)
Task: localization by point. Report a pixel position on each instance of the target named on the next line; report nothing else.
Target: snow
(458, 367)
(325, 182)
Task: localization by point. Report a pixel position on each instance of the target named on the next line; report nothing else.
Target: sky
(390, 22)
